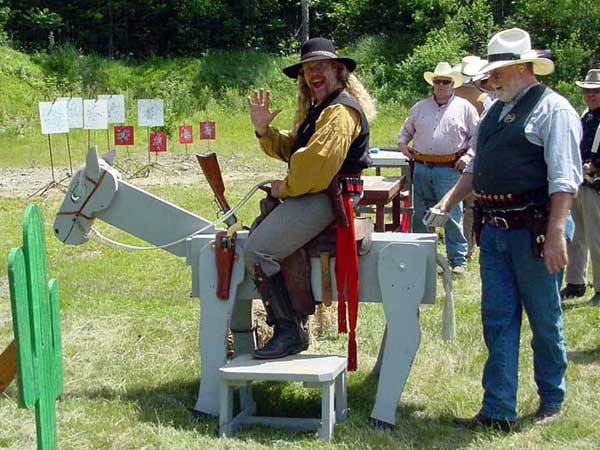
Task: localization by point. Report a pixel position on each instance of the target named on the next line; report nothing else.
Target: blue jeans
(430, 185)
(513, 279)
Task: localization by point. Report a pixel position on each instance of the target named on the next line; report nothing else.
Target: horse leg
(215, 316)
(401, 270)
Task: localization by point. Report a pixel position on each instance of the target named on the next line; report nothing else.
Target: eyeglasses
(444, 82)
(315, 67)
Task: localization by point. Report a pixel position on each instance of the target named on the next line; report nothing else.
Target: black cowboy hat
(317, 49)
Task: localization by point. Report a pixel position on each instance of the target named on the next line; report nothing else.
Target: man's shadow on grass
(170, 404)
(584, 357)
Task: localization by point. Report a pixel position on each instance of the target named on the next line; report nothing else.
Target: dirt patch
(168, 170)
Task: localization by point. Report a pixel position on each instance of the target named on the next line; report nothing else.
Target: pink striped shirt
(440, 130)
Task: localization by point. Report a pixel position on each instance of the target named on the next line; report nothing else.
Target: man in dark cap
(586, 206)
(329, 137)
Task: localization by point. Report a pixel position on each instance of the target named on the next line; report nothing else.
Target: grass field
(130, 333)
(131, 365)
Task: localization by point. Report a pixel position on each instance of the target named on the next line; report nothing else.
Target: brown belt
(439, 160)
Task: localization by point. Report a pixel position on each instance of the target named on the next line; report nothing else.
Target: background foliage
(395, 40)
(199, 53)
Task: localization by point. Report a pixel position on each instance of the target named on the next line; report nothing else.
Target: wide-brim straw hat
(318, 49)
(444, 70)
(510, 47)
(592, 80)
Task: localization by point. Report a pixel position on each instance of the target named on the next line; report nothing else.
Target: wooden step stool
(315, 371)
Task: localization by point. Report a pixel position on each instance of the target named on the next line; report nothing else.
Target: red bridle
(78, 213)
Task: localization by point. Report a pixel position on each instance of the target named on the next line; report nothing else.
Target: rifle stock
(212, 171)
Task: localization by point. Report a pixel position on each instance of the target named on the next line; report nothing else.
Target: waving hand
(259, 105)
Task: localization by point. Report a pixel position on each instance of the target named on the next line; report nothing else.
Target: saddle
(296, 267)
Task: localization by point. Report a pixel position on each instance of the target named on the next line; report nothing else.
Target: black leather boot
(285, 341)
(572, 291)
(288, 335)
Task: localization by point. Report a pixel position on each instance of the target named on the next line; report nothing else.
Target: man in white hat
(470, 89)
(586, 206)
(441, 128)
(525, 173)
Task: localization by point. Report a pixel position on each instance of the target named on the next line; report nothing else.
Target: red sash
(347, 280)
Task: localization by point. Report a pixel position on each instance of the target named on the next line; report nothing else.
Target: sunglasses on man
(444, 82)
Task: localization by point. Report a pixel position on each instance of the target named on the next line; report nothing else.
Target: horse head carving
(91, 190)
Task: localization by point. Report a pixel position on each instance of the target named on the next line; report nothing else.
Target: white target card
(53, 117)
(74, 111)
(151, 113)
(116, 107)
(95, 114)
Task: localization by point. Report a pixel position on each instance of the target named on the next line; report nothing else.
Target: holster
(224, 256)
(477, 221)
(538, 227)
(334, 191)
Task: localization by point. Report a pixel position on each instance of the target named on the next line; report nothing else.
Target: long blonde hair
(347, 81)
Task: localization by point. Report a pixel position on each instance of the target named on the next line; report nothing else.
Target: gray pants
(291, 225)
(586, 214)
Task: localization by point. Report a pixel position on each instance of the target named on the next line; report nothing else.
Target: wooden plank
(8, 366)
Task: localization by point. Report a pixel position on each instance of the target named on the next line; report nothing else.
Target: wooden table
(380, 191)
(392, 157)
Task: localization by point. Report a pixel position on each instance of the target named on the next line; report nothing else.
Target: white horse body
(399, 271)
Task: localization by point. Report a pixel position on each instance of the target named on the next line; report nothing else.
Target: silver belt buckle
(500, 222)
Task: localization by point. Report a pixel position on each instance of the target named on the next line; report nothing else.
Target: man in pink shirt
(441, 128)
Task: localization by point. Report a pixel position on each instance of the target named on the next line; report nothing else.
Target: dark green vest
(357, 157)
(506, 162)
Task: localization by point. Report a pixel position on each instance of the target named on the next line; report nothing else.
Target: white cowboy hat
(444, 70)
(592, 80)
(468, 68)
(510, 47)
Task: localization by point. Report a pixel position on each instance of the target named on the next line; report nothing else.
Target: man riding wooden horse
(328, 143)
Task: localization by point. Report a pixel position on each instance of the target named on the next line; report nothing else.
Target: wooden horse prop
(399, 271)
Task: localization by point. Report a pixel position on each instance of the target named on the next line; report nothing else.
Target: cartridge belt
(488, 202)
(351, 184)
(439, 160)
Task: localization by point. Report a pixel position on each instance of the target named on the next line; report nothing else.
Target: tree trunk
(304, 29)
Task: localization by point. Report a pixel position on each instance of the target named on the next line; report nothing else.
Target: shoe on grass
(595, 300)
(459, 271)
(546, 414)
(480, 421)
(572, 291)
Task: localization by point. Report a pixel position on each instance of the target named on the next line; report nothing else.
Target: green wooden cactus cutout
(36, 322)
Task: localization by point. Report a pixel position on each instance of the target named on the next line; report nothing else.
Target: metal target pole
(69, 152)
(51, 159)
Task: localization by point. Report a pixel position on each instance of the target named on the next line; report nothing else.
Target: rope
(101, 239)
(448, 317)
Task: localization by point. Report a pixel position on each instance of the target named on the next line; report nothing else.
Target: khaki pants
(586, 215)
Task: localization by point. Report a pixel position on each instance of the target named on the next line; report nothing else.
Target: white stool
(315, 371)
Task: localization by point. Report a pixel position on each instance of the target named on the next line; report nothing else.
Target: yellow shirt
(312, 167)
